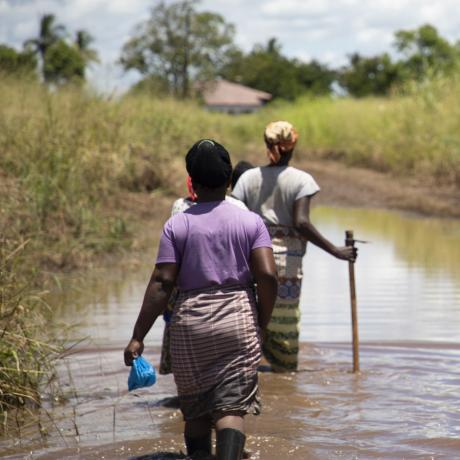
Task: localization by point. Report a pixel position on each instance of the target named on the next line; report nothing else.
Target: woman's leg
(230, 436)
(230, 421)
(281, 340)
(197, 435)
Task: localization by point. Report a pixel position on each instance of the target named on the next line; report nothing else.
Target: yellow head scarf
(280, 138)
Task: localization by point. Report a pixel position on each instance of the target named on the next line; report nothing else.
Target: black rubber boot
(201, 444)
(230, 444)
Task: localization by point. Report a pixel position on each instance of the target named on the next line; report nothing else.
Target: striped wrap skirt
(215, 351)
(281, 341)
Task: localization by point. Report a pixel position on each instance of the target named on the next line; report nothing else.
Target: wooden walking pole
(350, 241)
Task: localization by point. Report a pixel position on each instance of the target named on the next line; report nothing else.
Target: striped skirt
(215, 351)
(281, 341)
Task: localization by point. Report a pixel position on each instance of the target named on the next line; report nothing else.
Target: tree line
(57, 55)
(180, 46)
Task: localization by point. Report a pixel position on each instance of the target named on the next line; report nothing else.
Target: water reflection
(408, 279)
(432, 244)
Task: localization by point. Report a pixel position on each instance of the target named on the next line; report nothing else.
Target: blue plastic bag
(142, 374)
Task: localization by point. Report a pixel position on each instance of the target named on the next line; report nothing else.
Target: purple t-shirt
(212, 243)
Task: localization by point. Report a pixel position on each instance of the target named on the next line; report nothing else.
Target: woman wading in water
(214, 251)
(281, 195)
(181, 205)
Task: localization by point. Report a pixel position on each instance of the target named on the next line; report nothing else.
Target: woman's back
(212, 242)
(271, 191)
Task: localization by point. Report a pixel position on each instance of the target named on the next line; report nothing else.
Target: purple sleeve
(167, 251)
(261, 238)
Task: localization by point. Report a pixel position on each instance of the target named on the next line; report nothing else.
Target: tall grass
(27, 348)
(414, 132)
(67, 158)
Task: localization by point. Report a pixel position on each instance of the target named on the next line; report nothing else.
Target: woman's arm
(264, 271)
(303, 225)
(155, 300)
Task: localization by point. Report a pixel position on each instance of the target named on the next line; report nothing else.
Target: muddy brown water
(405, 404)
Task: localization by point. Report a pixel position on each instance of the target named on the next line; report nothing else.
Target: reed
(27, 348)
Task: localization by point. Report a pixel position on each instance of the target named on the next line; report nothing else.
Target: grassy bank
(415, 132)
(69, 159)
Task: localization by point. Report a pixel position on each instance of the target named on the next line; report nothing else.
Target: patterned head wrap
(280, 138)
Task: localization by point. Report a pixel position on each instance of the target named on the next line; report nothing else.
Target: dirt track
(351, 186)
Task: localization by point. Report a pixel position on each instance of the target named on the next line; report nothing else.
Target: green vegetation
(415, 133)
(421, 54)
(14, 62)
(27, 348)
(62, 60)
(266, 68)
(178, 41)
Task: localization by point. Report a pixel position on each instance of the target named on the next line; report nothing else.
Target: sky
(326, 30)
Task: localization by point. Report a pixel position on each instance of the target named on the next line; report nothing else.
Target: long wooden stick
(349, 241)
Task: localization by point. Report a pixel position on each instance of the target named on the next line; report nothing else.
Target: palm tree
(50, 33)
(83, 40)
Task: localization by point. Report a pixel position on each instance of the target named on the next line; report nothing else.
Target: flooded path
(405, 404)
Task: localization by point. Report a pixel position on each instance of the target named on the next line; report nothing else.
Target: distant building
(225, 96)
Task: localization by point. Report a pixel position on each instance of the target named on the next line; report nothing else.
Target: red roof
(223, 92)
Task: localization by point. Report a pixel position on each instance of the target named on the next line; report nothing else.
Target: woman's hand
(303, 225)
(133, 350)
(349, 253)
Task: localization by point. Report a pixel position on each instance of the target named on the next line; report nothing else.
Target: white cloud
(293, 8)
(25, 29)
(124, 6)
